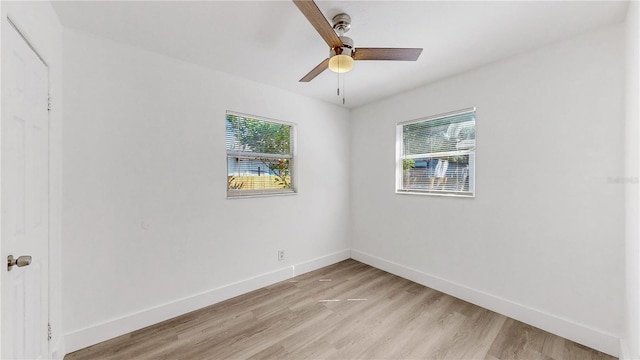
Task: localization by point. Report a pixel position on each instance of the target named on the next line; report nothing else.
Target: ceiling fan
(341, 51)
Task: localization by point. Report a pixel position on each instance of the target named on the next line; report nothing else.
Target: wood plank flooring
(378, 316)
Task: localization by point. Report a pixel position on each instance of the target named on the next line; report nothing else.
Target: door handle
(24, 260)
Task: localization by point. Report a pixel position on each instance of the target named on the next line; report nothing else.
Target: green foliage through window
(259, 155)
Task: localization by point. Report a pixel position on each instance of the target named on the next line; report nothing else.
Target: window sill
(423, 193)
(260, 194)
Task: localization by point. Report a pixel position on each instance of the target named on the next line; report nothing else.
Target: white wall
(39, 23)
(543, 239)
(631, 338)
(144, 142)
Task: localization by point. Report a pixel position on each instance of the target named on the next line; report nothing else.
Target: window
(436, 155)
(259, 156)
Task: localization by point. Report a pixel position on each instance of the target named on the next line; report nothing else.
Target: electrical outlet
(280, 255)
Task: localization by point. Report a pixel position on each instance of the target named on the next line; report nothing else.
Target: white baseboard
(568, 329)
(625, 351)
(97, 333)
(57, 350)
(109, 329)
(321, 262)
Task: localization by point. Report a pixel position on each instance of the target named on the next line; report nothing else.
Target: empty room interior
(320, 180)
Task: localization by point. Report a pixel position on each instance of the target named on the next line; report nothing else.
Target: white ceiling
(271, 42)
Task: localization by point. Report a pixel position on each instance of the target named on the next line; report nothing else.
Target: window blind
(437, 155)
(255, 137)
(259, 156)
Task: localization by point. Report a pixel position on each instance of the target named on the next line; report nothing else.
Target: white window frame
(400, 156)
(240, 194)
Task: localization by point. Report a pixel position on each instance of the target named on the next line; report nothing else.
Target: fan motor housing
(347, 49)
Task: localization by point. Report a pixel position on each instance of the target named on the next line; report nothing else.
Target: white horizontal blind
(437, 155)
(259, 156)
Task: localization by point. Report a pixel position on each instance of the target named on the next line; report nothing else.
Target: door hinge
(49, 332)
(49, 103)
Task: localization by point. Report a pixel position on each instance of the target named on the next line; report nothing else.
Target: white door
(24, 198)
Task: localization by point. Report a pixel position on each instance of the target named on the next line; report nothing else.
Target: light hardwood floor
(292, 320)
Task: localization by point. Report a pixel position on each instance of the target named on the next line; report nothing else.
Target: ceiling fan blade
(310, 10)
(403, 54)
(316, 71)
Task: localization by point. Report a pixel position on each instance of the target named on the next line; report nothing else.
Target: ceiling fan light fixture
(341, 63)
(341, 58)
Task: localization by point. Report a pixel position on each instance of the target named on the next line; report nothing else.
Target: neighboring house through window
(436, 155)
(259, 156)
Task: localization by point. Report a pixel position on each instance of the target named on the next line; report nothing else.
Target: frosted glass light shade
(341, 63)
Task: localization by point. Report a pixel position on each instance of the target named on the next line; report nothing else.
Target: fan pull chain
(341, 76)
(344, 82)
(338, 77)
